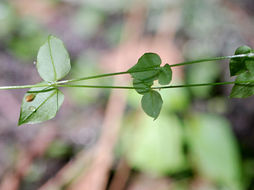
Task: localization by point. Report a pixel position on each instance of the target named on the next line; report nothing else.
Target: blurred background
(101, 139)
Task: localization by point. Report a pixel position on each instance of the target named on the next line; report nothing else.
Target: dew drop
(31, 108)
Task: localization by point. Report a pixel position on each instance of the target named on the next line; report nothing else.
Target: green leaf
(53, 62)
(42, 107)
(243, 90)
(165, 75)
(250, 65)
(237, 65)
(154, 147)
(138, 85)
(214, 150)
(151, 103)
(146, 62)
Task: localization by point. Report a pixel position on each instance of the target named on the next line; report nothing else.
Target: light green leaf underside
(42, 108)
(151, 103)
(53, 62)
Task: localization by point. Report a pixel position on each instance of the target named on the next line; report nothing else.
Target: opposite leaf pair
(53, 63)
(42, 103)
(144, 73)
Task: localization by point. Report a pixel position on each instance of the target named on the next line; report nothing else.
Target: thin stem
(212, 59)
(91, 77)
(197, 85)
(59, 83)
(104, 75)
(247, 83)
(95, 86)
(153, 68)
(23, 86)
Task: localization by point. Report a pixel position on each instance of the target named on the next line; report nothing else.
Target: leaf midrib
(52, 60)
(40, 106)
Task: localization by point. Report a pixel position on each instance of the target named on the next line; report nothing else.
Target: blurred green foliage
(213, 149)
(154, 147)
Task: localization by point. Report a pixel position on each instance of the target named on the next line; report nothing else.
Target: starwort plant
(44, 99)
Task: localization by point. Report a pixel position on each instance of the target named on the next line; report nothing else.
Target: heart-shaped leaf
(165, 75)
(243, 90)
(237, 65)
(151, 103)
(149, 63)
(40, 104)
(53, 62)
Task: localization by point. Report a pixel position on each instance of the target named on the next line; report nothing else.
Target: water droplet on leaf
(32, 108)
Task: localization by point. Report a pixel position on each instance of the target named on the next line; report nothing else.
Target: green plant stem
(198, 85)
(23, 86)
(103, 75)
(247, 83)
(95, 86)
(148, 69)
(212, 59)
(61, 83)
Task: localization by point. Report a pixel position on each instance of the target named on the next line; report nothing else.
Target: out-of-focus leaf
(214, 150)
(202, 73)
(86, 21)
(175, 99)
(59, 149)
(42, 107)
(7, 19)
(154, 147)
(53, 62)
